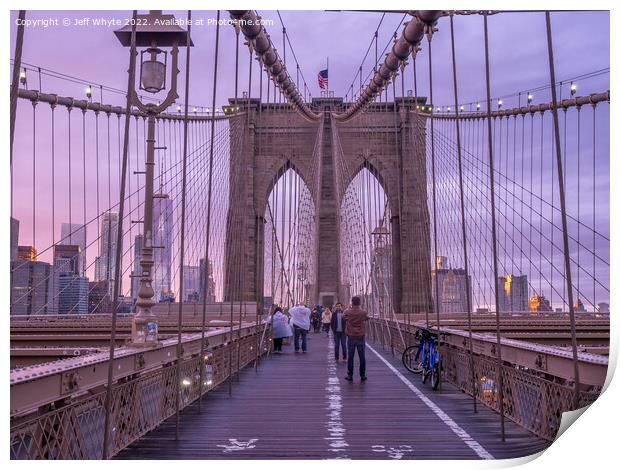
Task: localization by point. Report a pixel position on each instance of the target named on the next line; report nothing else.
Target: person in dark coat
(316, 320)
(356, 336)
(338, 326)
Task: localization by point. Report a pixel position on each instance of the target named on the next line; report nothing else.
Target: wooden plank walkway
(298, 406)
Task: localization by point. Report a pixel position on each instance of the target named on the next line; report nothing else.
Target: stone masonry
(267, 142)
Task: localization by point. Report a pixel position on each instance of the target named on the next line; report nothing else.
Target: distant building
(191, 283)
(26, 253)
(449, 289)
(99, 298)
(105, 264)
(513, 293)
(382, 272)
(70, 288)
(136, 271)
(72, 295)
(603, 307)
(267, 304)
(162, 247)
(124, 304)
(579, 307)
(539, 303)
(14, 238)
(67, 259)
(210, 281)
(31, 292)
(75, 234)
(381, 267)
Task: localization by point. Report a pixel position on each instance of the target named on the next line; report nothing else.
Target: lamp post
(152, 36)
(302, 276)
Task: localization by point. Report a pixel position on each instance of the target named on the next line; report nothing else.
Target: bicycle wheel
(426, 361)
(409, 359)
(435, 376)
(425, 373)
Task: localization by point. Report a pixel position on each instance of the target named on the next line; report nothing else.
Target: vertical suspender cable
(237, 31)
(257, 343)
(500, 379)
(119, 237)
(183, 209)
(34, 172)
(463, 226)
(260, 84)
(53, 155)
(205, 282)
(399, 151)
(242, 298)
(83, 255)
(569, 281)
(414, 53)
(434, 186)
(17, 63)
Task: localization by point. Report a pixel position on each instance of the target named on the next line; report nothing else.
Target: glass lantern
(153, 70)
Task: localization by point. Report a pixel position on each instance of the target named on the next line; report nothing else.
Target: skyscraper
(579, 307)
(31, 283)
(99, 298)
(14, 238)
(513, 293)
(162, 247)
(136, 271)
(75, 234)
(451, 283)
(70, 288)
(381, 266)
(191, 283)
(26, 253)
(539, 303)
(603, 307)
(67, 259)
(73, 294)
(105, 263)
(381, 270)
(210, 282)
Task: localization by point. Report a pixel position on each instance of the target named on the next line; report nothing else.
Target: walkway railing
(57, 409)
(537, 379)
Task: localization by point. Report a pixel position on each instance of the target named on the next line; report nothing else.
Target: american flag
(322, 76)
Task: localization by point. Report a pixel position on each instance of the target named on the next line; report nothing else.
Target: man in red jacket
(356, 319)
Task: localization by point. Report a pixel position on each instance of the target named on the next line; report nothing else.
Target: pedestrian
(326, 319)
(316, 320)
(356, 319)
(280, 329)
(300, 318)
(338, 325)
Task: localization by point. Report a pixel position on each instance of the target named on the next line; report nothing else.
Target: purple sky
(517, 48)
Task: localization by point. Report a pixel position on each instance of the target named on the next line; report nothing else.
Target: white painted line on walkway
(334, 425)
(456, 429)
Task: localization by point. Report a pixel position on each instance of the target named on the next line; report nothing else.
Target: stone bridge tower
(269, 139)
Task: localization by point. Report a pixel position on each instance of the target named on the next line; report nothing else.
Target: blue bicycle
(422, 357)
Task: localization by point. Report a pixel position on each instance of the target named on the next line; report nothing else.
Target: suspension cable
(499, 372)
(119, 239)
(569, 281)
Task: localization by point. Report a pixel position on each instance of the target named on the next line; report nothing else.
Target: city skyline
(505, 82)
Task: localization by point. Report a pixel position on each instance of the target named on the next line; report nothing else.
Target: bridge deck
(298, 406)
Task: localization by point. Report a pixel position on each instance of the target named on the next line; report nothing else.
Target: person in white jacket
(280, 329)
(300, 318)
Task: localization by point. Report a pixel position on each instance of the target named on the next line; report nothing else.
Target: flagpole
(328, 76)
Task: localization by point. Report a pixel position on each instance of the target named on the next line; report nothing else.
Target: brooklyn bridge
(157, 222)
